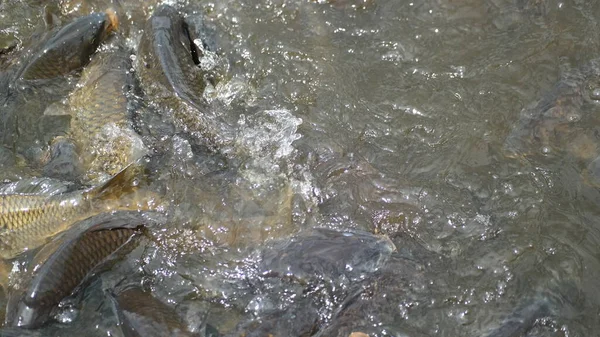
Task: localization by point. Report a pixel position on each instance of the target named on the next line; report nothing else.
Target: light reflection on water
(404, 109)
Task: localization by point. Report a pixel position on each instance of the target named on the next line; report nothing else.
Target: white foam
(268, 136)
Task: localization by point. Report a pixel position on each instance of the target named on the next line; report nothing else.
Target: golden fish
(100, 124)
(27, 221)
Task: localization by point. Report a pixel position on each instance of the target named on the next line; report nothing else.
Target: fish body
(140, 314)
(167, 56)
(27, 221)
(70, 48)
(24, 99)
(540, 124)
(60, 275)
(522, 319)
(167, 67)
(312, 261)
(100, 123)
(558, 123)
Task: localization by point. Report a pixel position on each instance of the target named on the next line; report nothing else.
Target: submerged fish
(141, 314)
(167, 67)
(27, 221)
(100, 124)
(70, 48)
(60, 275)
(324, 258)
(65, 265)
(522, 319)
(558, 122)
(550, 121)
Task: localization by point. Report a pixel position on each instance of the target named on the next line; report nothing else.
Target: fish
(522, 319)
(329, 254)
(61, 160)
(33, 84)
(553, 119)
(141, 314)
(101, 118)
(558, 123)
(28, 220)
(63, 267)
(563, 298)
(70, 48)
(167, 67)
(304, 263)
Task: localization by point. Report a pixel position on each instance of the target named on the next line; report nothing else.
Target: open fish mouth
(112, 22)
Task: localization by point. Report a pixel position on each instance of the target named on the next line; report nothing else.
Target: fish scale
(85, 254)
(70, 48)
(28, 221)
(100, 125)
(69, 266)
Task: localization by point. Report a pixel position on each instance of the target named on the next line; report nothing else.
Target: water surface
(383, 116)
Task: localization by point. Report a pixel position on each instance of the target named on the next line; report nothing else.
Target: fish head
(167, 17)
(22, 312)
(99, 27)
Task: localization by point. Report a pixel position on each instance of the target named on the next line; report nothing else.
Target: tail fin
(125, 182)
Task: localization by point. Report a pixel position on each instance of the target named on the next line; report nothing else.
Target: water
(383, 116)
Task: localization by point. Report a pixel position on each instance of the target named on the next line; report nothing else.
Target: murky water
(382, 116)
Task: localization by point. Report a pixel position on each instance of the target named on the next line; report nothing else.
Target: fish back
(70, 48)
(167, 56)
(140, 314)
(65, 270)
(168, 71)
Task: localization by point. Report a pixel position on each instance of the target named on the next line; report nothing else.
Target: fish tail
(125, 182)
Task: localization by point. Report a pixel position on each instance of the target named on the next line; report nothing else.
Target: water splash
(268, 136)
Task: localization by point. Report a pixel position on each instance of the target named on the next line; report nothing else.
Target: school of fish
(76, 226)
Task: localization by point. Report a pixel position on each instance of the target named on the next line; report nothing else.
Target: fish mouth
(112, 22)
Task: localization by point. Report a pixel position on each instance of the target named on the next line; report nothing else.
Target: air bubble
(595, 95)
(546, 150)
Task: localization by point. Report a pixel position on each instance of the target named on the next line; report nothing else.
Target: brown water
(383, 116)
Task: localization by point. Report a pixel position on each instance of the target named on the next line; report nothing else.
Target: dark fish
(28, 220)
(64, 266)
(328, 255)
(169, 55)
(537, 125)
(562, 299)
(167, 67)
(18, 332)
(140, 314)
(299, 319)
(324, 258)
(522, 319)
(70, 48)
(67, 50)
(551, 120)
(62, 160)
